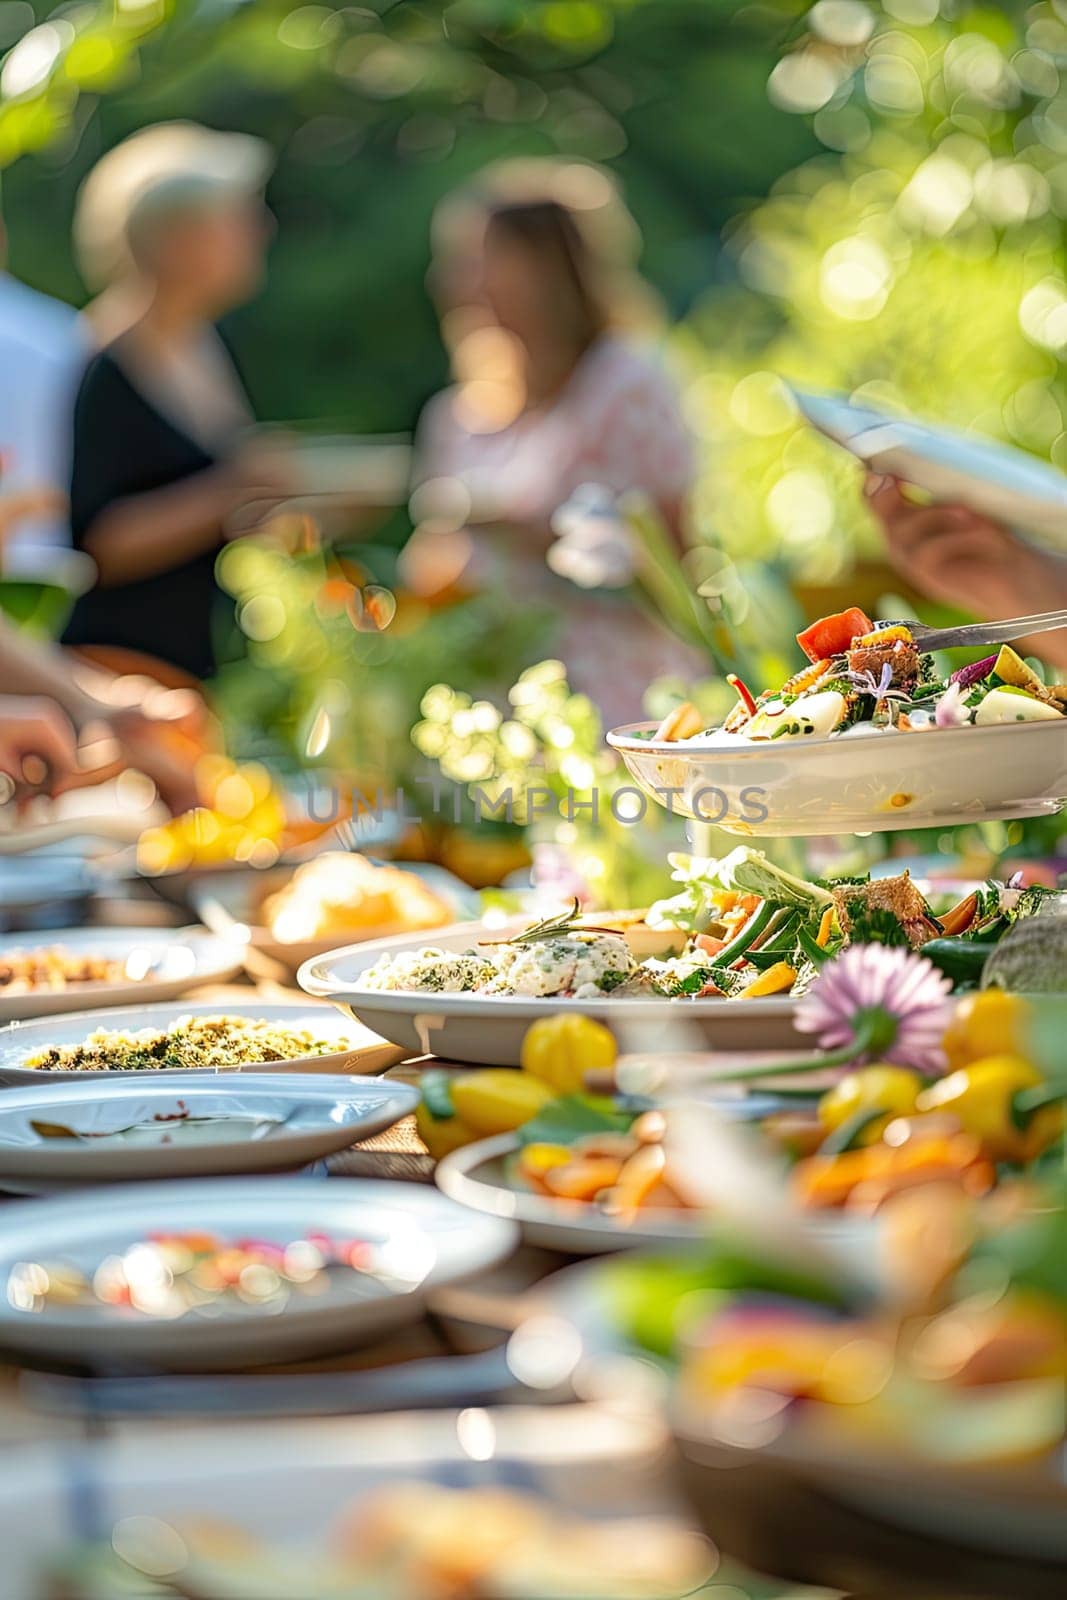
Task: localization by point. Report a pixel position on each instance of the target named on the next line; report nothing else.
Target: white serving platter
(874, 784)
(488, 1029)
(422, 1241)
(358, 1050)
(137, 1128)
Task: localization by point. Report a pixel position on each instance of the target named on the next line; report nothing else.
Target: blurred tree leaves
(376, 111)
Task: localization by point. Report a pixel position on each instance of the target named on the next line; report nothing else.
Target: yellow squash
(560, 1050)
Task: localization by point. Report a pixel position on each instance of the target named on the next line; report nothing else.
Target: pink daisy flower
(877, 1002)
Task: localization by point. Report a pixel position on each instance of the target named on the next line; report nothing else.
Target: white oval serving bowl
(488, 1029)
(876, 783)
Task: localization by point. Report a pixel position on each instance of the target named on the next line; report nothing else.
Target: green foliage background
(378, 111)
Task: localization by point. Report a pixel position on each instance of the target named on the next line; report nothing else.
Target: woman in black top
(160, 472)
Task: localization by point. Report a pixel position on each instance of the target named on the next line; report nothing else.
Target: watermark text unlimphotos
(627, 806)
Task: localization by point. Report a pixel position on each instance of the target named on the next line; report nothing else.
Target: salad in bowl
(825, 752)
(863, 678)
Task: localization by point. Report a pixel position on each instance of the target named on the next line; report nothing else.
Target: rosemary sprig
(563, 923)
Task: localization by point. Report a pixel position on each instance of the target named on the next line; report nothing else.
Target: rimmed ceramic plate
(358, 1050)
(873, 784)
(417, 1241)
(479, 1175)
(488, 1030)
(160, 964)
(288, 1486)
(143, 1127)
(957, 468)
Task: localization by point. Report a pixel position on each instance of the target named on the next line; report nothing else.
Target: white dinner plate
(478, 1175)
(358, 1050)
(956, 468)
(874, 784)
(289, 1486)
(420, 1241)
(161, 964)
(488, 1029)
(140, 1127)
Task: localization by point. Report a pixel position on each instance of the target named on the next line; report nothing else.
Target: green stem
(869, 1034)
(1028, 1101)
(803, 1096)
(782, 1069)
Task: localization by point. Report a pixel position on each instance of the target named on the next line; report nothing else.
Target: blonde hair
(158, 172)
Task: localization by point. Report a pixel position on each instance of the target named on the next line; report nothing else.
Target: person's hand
(260, 477)
(147, 743)
(962, 558)
(38, 747)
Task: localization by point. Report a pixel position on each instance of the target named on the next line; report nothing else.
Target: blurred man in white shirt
(43, 347)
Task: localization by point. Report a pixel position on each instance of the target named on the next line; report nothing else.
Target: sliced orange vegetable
(637, 1179)
(961, 916)
(649, 1127)
(778, 979)
(865, 1178)
(826, 925)
(617, 1146)
(806, 678)
(710, 946)
(832, 636)
(661, 1197)
(583, 1179)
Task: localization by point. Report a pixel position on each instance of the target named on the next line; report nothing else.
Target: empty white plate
(146, 1126)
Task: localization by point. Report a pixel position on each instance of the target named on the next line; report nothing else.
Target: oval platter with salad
(740, 929)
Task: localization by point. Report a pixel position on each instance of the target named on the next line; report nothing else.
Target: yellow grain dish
(338, 894)
(191, 1042)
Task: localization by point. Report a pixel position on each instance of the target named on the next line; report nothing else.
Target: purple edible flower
(879, 687)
